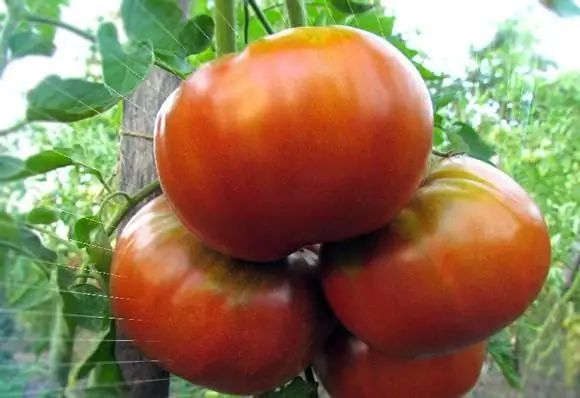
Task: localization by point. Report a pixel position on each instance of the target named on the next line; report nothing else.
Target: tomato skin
(313, 134)
(348, 368)
(234, 327)
(466, 258)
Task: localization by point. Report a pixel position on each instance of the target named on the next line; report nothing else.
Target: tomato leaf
(562, 8)
(373, 22)
(502, 352)
(175, 63)
(27, 42)
(28, 285)
(41, 215)
(39, 163)
(296, 388)
(68, 100)
(156, 21)
(18, 238)
(478, 148)
(123, 68)
(351, 7)
(102, 350)
(88, 305)
(197, 34)
(83, 230)
(438, 136)
(10, 166)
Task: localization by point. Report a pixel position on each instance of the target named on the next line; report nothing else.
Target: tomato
(310, 135)
(464, 259)
(232, 326)
(348, 368)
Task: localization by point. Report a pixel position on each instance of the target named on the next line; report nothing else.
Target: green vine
(296, 12)
(225, 26)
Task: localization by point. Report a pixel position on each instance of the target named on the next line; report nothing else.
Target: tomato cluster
(304, 223)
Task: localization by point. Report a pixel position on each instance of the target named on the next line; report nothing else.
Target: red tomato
(463, 260)
(234, 327)
(310, 135)
(348, 368)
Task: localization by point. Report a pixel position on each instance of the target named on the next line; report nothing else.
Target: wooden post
(136, 169)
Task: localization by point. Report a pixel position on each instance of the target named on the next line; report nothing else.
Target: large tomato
(310, 135)
(348, 368)
(235, 327)
(465, 258)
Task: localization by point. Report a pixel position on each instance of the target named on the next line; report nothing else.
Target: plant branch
(85, 35)
(134, 201)
(261, 16)
(60, 24)
(225, 26)
(296, 12)
(14, 128)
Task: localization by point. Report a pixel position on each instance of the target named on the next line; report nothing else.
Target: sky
(448, 28)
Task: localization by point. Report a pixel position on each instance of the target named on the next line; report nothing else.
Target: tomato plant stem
(225, 26)
(296, 12)
(261, 16)
(131, 203)
(81, 33)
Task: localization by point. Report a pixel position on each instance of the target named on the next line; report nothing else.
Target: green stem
(110, 197)
(85, 35)
(134, 201)
(296, 12)
(55, 22)
(14, 128)
(225, 26)
(261, 16)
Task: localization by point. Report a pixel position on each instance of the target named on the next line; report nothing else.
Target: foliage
(58, 197)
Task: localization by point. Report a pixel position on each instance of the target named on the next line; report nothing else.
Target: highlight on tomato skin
(349, 368)
(464, 259)
(332, 144)
(227, 325)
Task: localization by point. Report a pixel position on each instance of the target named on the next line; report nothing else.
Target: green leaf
(40, 163)
(175, 63)
(156, 21)
(197, 34)
(502, 352)
(83, 230)
(102, 350)
(373, 22)
(351, 7)
(438, 136)
(88, 305)
(23, 43)
(68, 100)
(123, 68)
(28, 285)
(478, 148)
(41, 215)
(563, 8)
(18, 238)
(296, 388)
(10, 166)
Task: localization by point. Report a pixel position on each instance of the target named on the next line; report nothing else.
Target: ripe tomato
(348, 368)
(464, 259)
(310, 135)
(234, 327)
